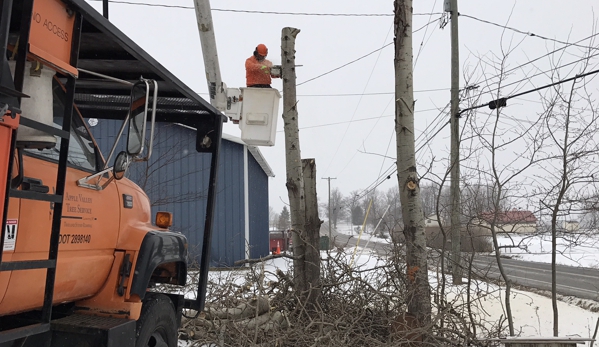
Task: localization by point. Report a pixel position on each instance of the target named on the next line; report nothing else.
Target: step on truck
(81, 252)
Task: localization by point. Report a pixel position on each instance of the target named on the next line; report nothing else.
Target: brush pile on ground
(361, 304)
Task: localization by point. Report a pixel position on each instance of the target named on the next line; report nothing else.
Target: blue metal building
(176, 180)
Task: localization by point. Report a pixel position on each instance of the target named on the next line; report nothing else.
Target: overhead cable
(493, 104)
(360, 58)
(520, 31)
(267, 12)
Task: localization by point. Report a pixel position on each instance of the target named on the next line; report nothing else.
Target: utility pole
(456, 268)
(329, 179)
(418, 296)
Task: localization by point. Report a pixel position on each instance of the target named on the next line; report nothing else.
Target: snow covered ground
(532, 313)
(572, 249)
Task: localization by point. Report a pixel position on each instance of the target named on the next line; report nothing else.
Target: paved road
(574, 281)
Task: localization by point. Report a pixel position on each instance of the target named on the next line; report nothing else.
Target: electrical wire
(266, 12)
(344, 65)
(354, 113)
(519, 31)
(360, 94)
(528, 78)
(537, 59)
(422, 44)
(387, 174)
(502, 101)
(360, 58)
(357, 106)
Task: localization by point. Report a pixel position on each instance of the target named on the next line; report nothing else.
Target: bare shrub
(363, 302)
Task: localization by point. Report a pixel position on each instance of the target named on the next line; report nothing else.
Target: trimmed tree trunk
(295, 180)
(418, 296)
(312, 228)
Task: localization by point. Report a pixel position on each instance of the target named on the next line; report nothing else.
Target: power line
(360, 58)
(358, 105)
(346, 64)
(422, 44)
(387, 175)
(503, 101)
(360, 94)
(356, 120)
(432, 137)
(368, 94)
(380, 180)
(518, 31)
(539, 74)
(538, 58)
(267, 12)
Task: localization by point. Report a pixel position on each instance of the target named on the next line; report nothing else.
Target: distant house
(432, 221)
(571, 225)
(514, 221)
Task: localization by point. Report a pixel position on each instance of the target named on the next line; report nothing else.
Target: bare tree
(572, 123)
(419, 302)
(338, 210)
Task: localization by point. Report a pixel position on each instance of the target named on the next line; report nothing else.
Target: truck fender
(162, 258)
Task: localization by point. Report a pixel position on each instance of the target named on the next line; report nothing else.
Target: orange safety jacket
(257, 72)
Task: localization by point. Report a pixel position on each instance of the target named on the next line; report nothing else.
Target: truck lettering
(75, 238)
(70, 197)
(85, 199)
(37, 17)
(56, 30)
(84, 209)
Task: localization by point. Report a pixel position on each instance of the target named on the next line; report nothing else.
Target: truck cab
(81, 250)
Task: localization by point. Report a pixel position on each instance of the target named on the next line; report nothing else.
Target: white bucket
(38, 107)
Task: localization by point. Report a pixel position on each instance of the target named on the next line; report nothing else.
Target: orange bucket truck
(81, 252)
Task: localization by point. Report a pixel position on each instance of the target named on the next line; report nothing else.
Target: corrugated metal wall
(258, 196)
(176, 180)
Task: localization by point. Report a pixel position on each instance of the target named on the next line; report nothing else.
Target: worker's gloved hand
(265, 69)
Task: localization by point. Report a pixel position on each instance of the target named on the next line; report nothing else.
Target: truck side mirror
(138, 114)
(121, 164)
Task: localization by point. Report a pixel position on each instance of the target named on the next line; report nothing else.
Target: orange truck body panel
(82, 266)
(51, 34)
(96, 232)
(7, 125)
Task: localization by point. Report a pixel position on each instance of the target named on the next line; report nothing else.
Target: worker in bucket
(257, 68)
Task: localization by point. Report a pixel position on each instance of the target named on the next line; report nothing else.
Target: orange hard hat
(262, 50)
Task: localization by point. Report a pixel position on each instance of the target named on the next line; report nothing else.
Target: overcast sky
(346, 117)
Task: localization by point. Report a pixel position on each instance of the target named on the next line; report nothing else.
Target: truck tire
(157, 324)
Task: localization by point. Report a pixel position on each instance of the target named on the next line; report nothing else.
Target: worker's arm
(258, 67)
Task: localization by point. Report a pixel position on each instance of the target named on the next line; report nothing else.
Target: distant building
(571, 225)
(513, 221)
(432, 221)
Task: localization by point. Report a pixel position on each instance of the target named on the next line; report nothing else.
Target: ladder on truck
(9, 123)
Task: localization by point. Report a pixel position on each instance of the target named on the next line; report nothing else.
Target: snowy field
(532, 313)
(572, 249)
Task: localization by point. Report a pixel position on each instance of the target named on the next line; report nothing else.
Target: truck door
(89, 227)
(12, 216)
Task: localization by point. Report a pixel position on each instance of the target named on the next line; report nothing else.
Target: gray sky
(346, 117)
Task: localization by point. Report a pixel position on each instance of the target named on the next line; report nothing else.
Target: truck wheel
(157, 324)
